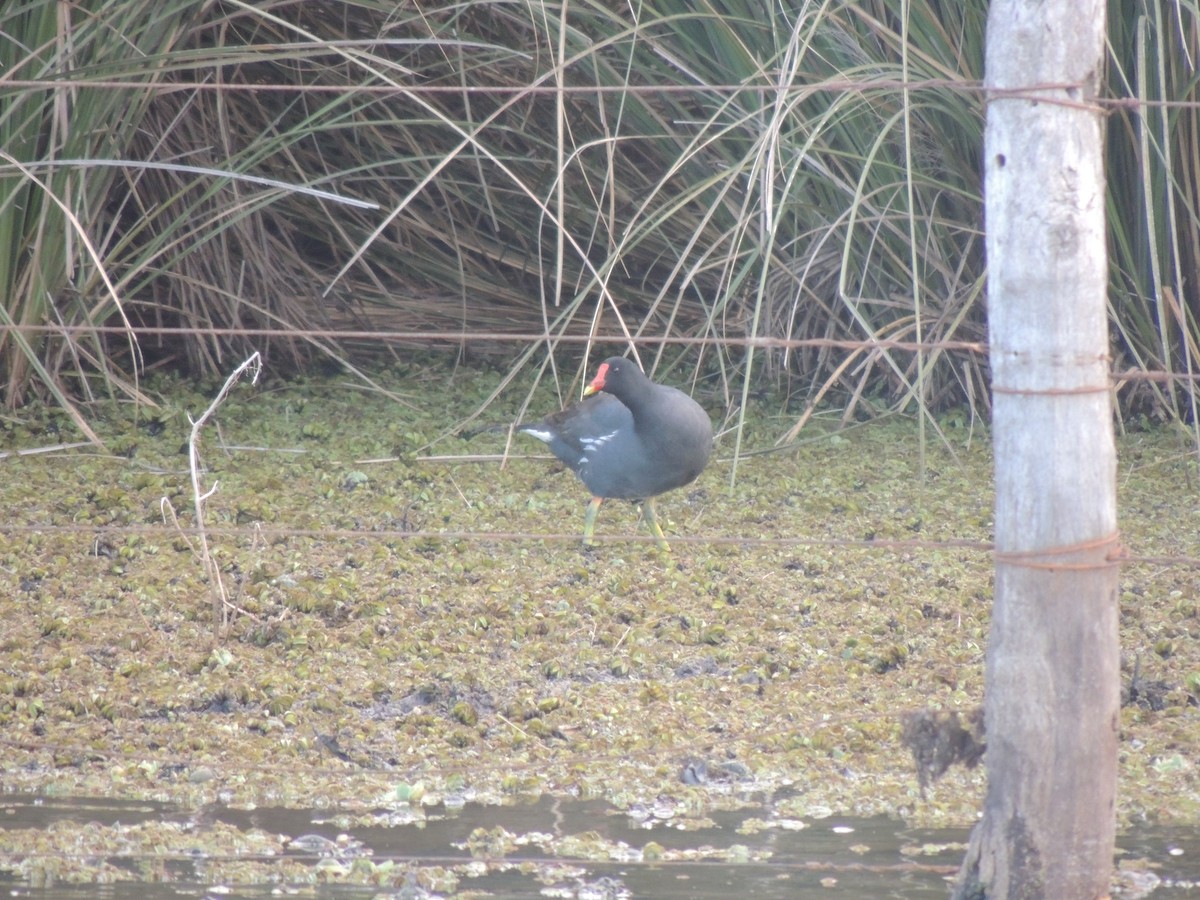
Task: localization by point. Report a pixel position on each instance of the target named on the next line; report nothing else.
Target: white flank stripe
(599, 441)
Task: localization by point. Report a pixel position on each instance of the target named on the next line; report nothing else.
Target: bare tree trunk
(1052, 680)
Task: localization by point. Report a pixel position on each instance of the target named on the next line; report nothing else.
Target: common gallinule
(628, 439)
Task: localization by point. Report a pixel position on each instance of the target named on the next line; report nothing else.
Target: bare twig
(53, 448)
(164, 507)
(219, 599)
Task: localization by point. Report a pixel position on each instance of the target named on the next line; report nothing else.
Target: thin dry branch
(200, 496)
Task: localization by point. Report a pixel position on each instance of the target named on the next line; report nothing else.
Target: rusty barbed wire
(260, 532)
(455, 337)
(1030, 92)
(450, 336)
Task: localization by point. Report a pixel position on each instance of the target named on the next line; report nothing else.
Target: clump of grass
(781, 188)
(54, 241)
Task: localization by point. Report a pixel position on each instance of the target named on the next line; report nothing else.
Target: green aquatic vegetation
(376, 652)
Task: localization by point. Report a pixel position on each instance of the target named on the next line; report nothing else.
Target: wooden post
(1052, 679)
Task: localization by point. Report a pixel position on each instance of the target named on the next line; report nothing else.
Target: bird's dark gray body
(632, 441)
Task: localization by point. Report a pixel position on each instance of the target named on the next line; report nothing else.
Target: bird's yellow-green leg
(652, 521)
(589, 520)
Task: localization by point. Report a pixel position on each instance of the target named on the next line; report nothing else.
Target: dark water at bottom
(830, 857)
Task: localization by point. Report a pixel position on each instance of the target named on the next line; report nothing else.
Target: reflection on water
(547, 848)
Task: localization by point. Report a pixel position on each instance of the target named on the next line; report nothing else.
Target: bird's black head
(615, 376)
